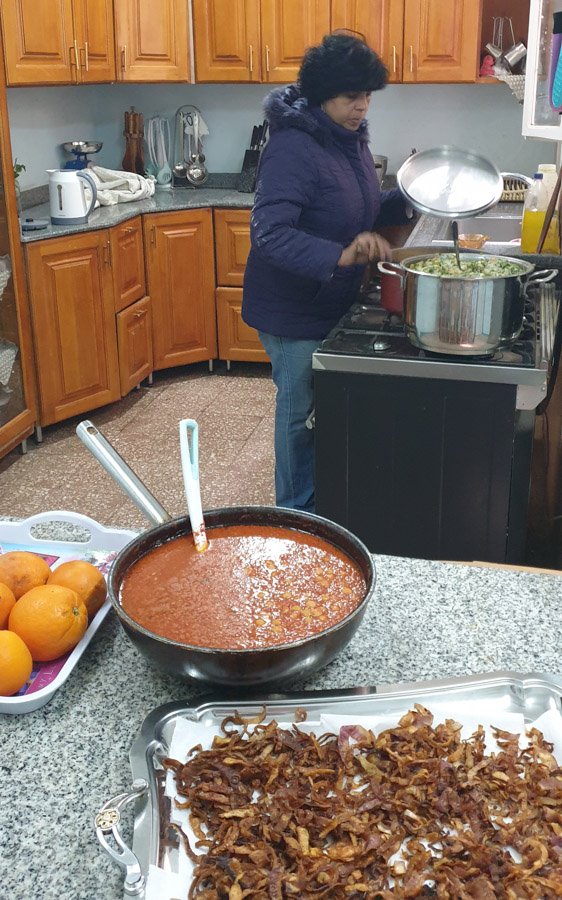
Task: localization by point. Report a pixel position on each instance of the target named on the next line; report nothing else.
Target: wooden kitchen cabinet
(181, 283)
(255, 40)
(232, 244)
(237, 341)
(418, 40)
(58, 41)
(134, 341)
(127, 253)
(152, 40)
(73, 318)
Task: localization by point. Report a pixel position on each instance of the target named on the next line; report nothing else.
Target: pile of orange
(43, 612)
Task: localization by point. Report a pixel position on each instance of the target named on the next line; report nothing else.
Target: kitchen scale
(80, 151)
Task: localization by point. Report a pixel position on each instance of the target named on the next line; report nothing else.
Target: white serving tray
(106, 543)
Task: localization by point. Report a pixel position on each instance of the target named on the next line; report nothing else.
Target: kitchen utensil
(463, 316)
(455, 228)
(493, 50)
(189, 448)
(381, 165)
(80, 151)
(254, 138)
(67, 196)
(515, 54)
(180, 167)
(263, 138)
(247, 668)
(196, 172)
(450, 182)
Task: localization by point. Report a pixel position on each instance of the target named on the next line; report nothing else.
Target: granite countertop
(60, 763)
(429, 226)
(162, 201)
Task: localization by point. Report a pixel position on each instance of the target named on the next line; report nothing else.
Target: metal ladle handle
(121, 473)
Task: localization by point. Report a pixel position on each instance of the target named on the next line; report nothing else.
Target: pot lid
(450, 182)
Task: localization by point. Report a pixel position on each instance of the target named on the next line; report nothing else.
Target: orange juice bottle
(536, 203)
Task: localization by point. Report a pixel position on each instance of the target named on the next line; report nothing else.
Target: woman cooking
(312, 228)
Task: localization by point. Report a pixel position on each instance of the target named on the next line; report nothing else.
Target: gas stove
(368, 339)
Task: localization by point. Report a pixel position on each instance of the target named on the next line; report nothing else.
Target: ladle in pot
(456, 242)
(190, 468)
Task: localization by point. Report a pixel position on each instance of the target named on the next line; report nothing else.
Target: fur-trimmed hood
(285, 108)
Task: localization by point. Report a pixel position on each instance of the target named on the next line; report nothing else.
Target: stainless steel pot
(237, 668)
(463, 316)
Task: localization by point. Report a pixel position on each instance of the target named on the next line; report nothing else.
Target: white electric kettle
(67, 196)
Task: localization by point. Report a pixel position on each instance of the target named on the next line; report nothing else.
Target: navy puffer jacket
(317, 190)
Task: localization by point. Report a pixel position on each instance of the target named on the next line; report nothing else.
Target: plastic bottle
(549, 176)
(536, 203)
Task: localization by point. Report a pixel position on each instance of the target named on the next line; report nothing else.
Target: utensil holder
(248, 175)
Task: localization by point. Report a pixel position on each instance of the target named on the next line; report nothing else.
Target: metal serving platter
(529, 694)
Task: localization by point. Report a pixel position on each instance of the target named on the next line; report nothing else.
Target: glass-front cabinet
(542, 106)
(17, 386)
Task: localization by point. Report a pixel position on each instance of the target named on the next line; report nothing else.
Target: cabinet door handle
(394, 58)
(267, 57)
(251, 59)
(153, 235)
(72, 49)
(124, 57)
(130, 229)
(139, 315)
(411, 58)
(108, 253)
(86, 59)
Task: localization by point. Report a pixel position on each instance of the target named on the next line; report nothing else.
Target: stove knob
(380, 344)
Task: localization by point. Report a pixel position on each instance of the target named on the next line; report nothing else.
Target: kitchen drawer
(127, 256)
(134, 341)
(232, 245)
(236, 339)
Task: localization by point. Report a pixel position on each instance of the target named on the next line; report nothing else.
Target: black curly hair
(341, 63)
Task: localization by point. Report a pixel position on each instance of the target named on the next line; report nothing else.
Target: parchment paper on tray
(189, 734)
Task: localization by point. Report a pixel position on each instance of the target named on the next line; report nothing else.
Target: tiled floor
(234, 411)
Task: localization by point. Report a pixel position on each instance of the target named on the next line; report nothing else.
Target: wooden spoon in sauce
(190, 468)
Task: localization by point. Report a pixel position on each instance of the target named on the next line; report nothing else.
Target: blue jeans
(291, 362)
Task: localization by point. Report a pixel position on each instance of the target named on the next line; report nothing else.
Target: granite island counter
(60, 763)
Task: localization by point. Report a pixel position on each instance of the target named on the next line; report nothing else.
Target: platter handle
(107, 822)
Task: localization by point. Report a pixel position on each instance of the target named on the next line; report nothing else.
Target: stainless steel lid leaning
(450, 182)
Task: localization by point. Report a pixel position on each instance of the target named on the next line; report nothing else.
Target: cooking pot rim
(165, 526)
(526, 267)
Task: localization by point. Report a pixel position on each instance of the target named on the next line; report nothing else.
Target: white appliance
(72, 195)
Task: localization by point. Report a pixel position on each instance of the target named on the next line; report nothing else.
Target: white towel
(116, 186)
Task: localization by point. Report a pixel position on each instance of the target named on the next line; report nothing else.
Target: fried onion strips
(413, 812)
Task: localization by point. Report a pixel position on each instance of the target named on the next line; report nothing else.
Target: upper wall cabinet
(418, 40)
(152, 40)
(255, 40)
(58, 41)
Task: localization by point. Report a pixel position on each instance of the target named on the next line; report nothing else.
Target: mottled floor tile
(235, 415)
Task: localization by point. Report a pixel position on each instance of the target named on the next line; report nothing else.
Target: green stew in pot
(446, 264)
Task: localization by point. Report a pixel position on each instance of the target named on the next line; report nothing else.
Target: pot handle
(121, 473)
(385, 268)
(106, 822)
(542, 275)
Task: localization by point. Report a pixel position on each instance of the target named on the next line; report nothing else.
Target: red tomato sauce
(254, 586)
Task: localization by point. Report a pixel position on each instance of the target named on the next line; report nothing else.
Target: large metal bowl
(243, 668)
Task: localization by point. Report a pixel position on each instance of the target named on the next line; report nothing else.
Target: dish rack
(513, 190)
(515, 82)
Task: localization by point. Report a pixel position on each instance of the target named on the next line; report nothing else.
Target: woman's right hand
(364, 248)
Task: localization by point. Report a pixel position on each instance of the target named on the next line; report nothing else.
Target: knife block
(248, 175)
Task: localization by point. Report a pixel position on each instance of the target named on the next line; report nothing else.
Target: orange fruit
(50, 619)
(7, 601)
(15, 663)
(85, 579)
(22, 570)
